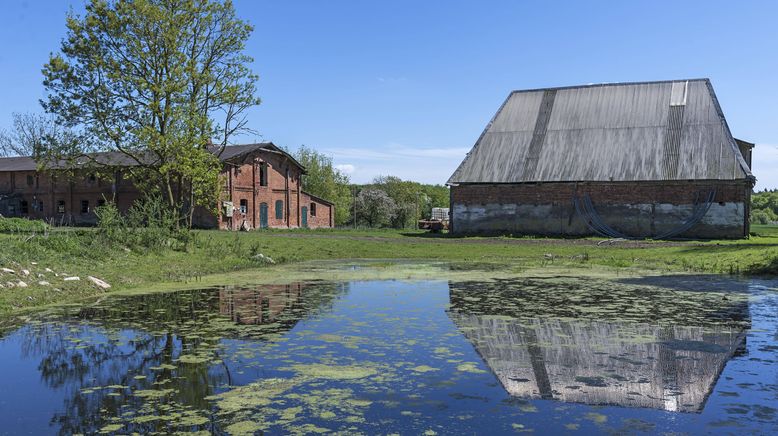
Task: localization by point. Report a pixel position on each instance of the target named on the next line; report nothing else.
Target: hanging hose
(585, 209)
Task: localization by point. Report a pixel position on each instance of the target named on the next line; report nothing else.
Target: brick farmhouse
(634, 160)
(261, 189)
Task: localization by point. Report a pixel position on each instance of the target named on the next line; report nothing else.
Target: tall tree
(31, 134)
(324, 180)
(158, 81)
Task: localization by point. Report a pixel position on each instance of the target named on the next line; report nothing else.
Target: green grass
(80, 253)
(764, 230)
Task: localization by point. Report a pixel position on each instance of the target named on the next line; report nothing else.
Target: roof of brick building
(119, 159)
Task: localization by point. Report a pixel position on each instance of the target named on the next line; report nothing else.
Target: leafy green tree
(406, 196)
(375, 208)
(413, 200)
(324, 180)
(436, 196)
(159, 81)
(764, 207)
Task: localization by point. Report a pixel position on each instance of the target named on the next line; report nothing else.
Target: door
(263, 215)
(304, 214)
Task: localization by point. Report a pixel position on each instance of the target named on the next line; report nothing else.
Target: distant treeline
(386, 202)
(764, 207)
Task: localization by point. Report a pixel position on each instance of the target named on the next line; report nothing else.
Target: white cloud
(421, 164)
(764, 163)
(346, 168)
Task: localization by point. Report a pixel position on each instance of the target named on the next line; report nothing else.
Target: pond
(543, 354)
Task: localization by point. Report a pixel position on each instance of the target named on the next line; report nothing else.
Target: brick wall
(44, 196)
(324, 213)
(242, 181)
(638, 208)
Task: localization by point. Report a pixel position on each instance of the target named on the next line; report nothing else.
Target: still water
(550, 355)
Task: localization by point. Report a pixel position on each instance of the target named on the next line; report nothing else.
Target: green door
(304, 214)
(262, 215)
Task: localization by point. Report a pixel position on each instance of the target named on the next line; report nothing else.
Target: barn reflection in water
(565, 349)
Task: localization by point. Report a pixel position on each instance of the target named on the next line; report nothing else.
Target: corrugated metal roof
(120, 159)
(608, 132)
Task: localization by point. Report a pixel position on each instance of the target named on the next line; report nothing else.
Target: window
(30, 181)
(61, 206)
(244, 206)
(263, 174)
(101, 202)
(92, 178)
(11, 209)
(24, 207)
(40, 206)
(84, 206)
(313, 209)
(279, 209)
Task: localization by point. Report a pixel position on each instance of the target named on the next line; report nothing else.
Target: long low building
(262, 188)
(637, 160)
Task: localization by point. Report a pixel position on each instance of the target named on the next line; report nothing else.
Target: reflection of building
(599, 362)
(258, 305)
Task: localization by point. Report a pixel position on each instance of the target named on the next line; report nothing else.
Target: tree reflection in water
(153, 359)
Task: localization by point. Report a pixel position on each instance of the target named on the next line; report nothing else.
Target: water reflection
(113, 356)
(381, 356)
(666, 360)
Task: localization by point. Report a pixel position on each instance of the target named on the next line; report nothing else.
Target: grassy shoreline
(222, 257)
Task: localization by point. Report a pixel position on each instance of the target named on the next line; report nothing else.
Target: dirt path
(442, 239)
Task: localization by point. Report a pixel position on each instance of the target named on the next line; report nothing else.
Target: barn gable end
(654, 136)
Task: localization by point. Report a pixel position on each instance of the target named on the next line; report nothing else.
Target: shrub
(13, 225)
(149, 225)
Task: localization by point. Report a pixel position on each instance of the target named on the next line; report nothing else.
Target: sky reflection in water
(563, 354)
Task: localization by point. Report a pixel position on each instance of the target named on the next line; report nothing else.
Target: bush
(13, 225)
(763, 216)
(149, 225)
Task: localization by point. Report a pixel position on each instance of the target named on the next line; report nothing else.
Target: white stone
(44, 283)
(33, 263)
(72, 279)
(49, 270)
(25, 272)
(8, 270)
(21, 284)
(10, 284)
(99, 283)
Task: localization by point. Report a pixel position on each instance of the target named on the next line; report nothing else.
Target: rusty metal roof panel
(671, 130)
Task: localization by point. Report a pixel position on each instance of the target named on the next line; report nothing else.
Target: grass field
(78, 253)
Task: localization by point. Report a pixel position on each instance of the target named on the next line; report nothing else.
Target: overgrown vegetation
(21, 225)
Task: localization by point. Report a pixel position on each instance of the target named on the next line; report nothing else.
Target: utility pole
(355, 207)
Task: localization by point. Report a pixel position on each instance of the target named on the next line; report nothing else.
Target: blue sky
(405, 87)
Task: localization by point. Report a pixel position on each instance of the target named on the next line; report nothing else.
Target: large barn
(635, 160)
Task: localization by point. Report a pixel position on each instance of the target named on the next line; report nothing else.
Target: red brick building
(650, 159)
(261, 189)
